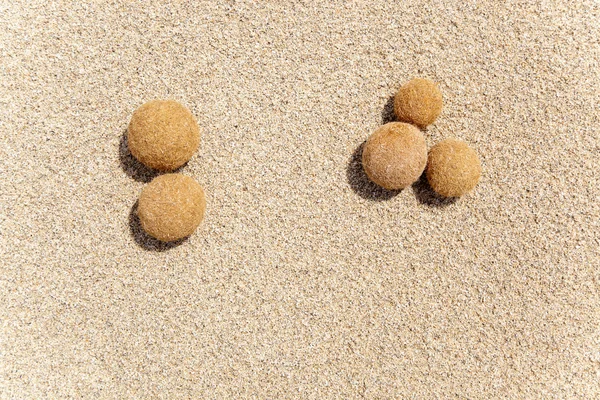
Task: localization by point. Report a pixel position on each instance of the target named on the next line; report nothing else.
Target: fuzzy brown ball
(418, 102)
(395, 155)
(171, 207)
(453, 168)
(163, 135)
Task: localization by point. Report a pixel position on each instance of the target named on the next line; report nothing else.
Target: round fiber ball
(453, 168)
(171, 207)
(395, 155)
(418, 102)
(163, 135)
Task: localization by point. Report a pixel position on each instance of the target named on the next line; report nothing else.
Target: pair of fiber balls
(164, 135)
(395, 155)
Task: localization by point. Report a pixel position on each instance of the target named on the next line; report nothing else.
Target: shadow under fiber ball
(163, 135)
(171, 207)
(453, 168)
(395, 155)
(418, 102)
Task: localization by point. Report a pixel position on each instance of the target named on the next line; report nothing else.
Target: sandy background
(303, 281)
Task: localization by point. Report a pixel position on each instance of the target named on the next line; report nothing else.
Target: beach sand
(304, 280)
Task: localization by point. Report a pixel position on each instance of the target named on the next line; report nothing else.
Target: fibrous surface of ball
(418, 102)
(453, 168)
(163, 135)
(395, 155)
(171, 207)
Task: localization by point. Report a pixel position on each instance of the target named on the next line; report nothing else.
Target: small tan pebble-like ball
(418, 102)
(163, 135)
(453, 168)
(171, 207)
(395, 155)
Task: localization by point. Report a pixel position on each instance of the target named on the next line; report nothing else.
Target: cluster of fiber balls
(395, 155)
(164, 135)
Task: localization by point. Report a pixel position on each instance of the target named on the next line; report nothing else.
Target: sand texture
(304, 281)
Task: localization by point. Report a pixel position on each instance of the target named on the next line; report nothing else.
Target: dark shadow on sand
(131, 166)
(361, 184)
(144, 240)
(426, 195)
(387, 115)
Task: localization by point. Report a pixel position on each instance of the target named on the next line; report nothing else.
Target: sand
(304, 280)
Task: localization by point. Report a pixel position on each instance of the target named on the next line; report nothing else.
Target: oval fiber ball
(453, 168)
(171, 207)
(418, 102)
(395, 155)
(163, 135)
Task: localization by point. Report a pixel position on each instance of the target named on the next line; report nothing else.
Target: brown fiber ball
(395, 155)
(418, 102)
(163, 135)
(171, 207)
(453, 168)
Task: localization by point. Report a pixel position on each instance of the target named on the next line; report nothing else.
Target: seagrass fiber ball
(418, 102)
(163, 135)
(395, 155)
(453, 168)
(171, 207)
